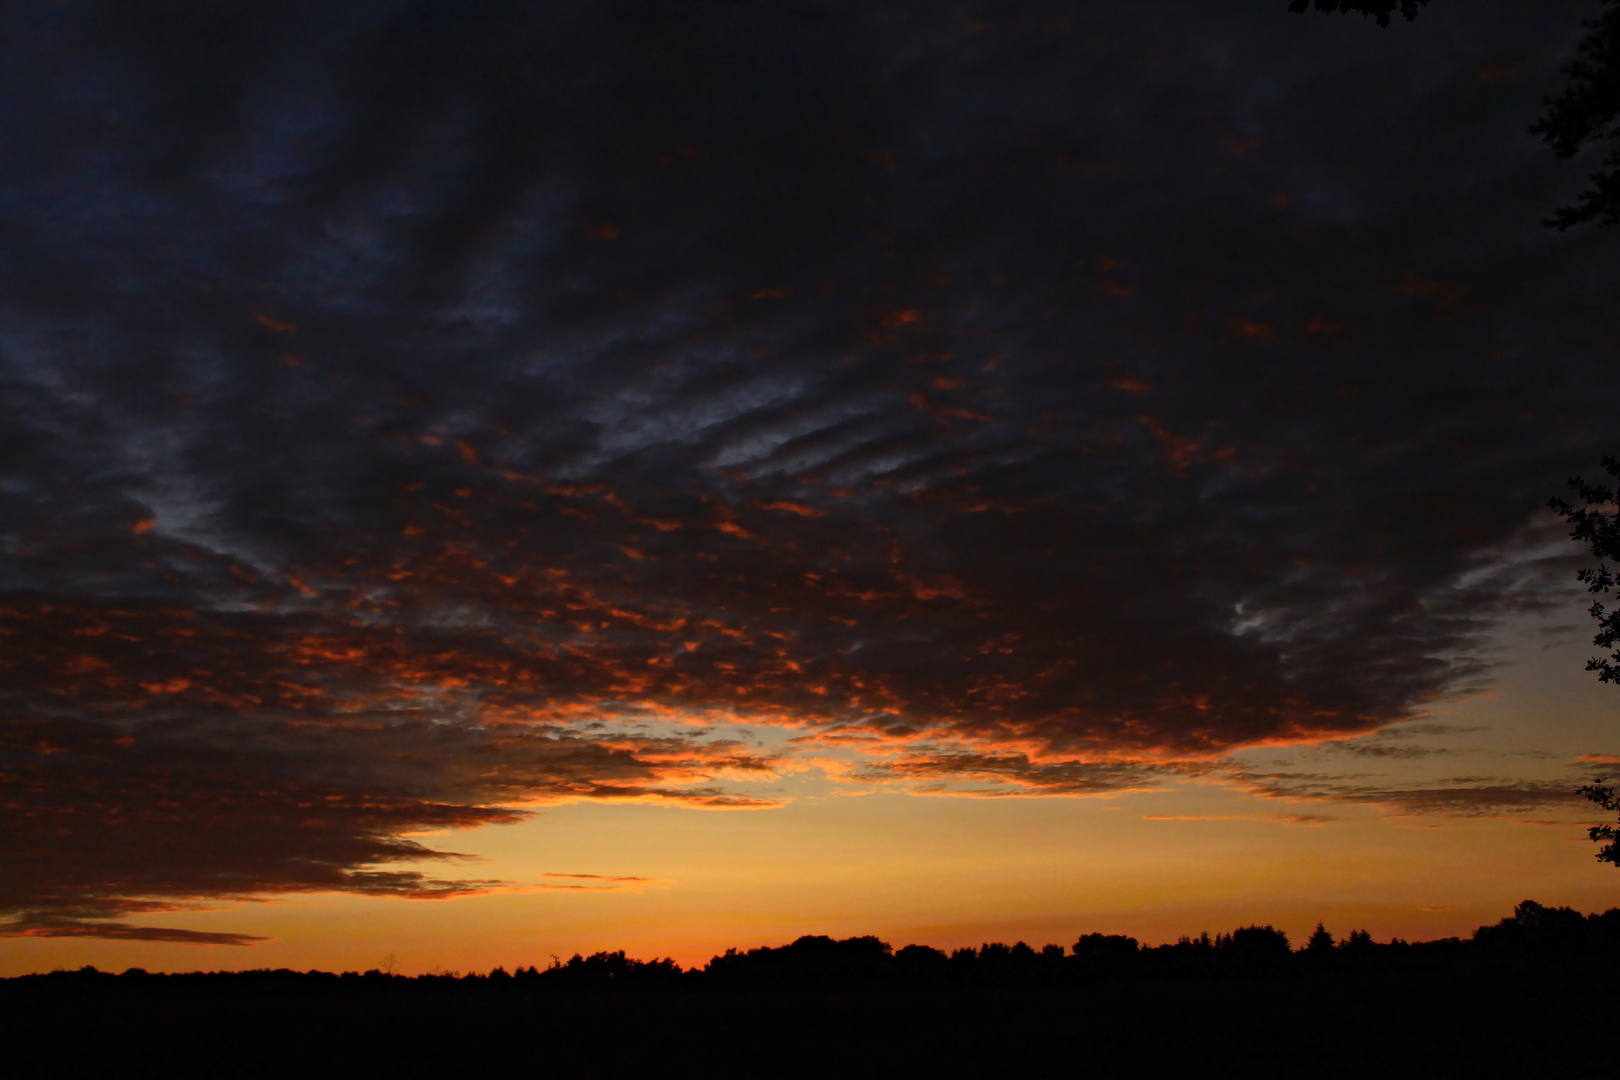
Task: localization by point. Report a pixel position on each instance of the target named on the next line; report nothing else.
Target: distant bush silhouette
(1253, 950)
(1099, 945)
(605, 967)
(921, 961)
(1105, 954)
(1533, 927)
(811, 956)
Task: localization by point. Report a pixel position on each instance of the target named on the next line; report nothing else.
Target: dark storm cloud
(395, 390)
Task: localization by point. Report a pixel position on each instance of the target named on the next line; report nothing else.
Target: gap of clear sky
(481, 481)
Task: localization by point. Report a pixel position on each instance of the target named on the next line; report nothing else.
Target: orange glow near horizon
(824, 847)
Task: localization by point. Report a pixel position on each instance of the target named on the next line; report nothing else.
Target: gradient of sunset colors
(482, 481)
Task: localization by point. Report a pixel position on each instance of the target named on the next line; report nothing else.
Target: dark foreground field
(1539, 1020)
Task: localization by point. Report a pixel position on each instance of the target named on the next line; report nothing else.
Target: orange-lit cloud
(598, 883)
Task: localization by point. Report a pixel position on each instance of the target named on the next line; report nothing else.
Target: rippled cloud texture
(418, 412)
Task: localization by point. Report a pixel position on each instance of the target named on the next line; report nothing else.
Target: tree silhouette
(1601, 533)
(1535, 926)
(1106, 953)
(1098, 945)
(1256, 946)
(1378, 9)
(1586, 111)
(1607, 835)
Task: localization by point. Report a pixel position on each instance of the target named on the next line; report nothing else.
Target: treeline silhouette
(1532, 933)
(1527, 996)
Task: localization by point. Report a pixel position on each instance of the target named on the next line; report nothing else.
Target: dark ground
(1535, 1021)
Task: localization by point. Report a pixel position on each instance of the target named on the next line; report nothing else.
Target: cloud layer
(417, 412)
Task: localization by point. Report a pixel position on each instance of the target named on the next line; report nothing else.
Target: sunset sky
(483, 480)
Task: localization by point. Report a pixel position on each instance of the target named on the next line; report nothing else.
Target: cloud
(1462, 796)
(1379, 750)
(944, 771)
(103, 816)
(412, 417)
(1305, 819)
(115, 931)
(1407, 731)
(1285, 819)
(600, 883)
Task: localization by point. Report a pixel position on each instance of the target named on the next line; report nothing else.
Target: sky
(484, 480)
